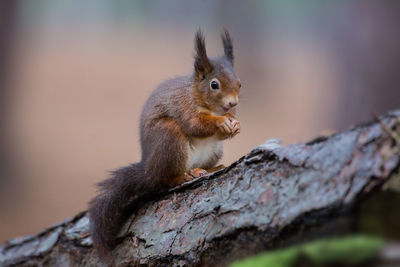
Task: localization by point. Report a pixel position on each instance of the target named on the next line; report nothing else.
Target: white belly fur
(200, 150)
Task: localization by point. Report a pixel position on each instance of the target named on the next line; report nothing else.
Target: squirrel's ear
(202, 65)
(228, 46)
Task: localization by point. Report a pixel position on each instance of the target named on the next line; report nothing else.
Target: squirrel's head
(216, 85)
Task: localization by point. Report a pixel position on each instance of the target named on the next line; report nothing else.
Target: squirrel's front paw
(236, 127)
(228, 128)
(225, 128)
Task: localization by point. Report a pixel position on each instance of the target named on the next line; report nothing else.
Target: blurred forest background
(74, 76)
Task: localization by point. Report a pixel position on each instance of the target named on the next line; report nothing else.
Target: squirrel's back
(168, 99)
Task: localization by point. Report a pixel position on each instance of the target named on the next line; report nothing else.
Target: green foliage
(349, 250)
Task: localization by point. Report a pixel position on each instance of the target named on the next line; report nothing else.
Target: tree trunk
(272, 197)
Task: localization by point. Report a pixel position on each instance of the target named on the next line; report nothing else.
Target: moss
(348, 250)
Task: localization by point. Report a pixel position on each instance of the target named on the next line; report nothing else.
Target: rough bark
(271, 197)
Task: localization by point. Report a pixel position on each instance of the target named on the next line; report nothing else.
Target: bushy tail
(109, 210)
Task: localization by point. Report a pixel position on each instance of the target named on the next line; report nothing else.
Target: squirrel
(182, 126)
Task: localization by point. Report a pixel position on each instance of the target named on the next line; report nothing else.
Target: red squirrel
(182, 126)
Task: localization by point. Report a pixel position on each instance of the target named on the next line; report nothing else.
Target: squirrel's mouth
(225, 109)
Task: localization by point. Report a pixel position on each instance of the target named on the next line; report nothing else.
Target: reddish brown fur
(179, 112)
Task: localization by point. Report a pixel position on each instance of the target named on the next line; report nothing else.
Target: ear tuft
(202, 65)
(228, 46)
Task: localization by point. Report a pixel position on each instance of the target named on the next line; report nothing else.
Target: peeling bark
(272, 197)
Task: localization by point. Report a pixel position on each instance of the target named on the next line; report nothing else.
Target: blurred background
(74, 76)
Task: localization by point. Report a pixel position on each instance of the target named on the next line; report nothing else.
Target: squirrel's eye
(214, 85)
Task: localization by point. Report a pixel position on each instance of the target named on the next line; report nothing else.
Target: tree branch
(272, 197)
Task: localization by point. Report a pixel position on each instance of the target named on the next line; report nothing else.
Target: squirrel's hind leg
(198, 172)
(195, 173)
(166, 162)
(216, 168)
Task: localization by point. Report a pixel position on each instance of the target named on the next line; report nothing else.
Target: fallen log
(274, 196)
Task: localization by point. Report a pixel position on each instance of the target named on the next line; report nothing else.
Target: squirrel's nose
(232, 104)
